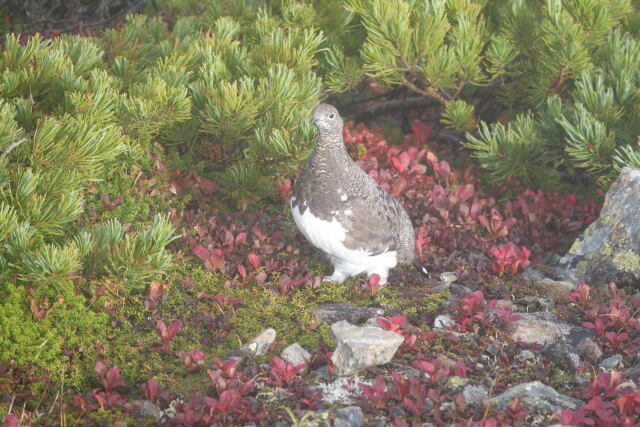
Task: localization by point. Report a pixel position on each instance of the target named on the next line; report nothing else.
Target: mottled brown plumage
(334, 196)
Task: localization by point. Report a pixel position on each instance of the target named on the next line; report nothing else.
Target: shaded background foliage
(63, 15)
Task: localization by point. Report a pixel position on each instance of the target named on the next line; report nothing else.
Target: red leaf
(254, 260)
(242, 270)
(401, 162)
(240, 237)
(420, 131)
(202, 253)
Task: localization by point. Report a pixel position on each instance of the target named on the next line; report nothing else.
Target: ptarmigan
(343, 212)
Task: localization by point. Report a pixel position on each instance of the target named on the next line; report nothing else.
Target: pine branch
(13, 145)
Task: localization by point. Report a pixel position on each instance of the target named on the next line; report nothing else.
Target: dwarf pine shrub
(561, 76)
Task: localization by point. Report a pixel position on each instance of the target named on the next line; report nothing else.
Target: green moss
(457, 382)
(57, 343)
(606, 250)
(292, 316)
(627, 260)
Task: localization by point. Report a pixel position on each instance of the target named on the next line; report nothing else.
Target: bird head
(326, 118)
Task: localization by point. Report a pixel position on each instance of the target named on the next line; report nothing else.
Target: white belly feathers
(329, 236)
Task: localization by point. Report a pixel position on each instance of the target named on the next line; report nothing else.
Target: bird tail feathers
(421, 268)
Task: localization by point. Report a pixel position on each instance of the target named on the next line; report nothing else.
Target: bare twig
(428, 91)
(13, 398)
(11, 146)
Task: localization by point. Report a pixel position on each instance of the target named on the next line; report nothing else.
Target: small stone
(257, 347)
(148, 408)
(546, 304)
(445, 406)
(539, 397)
(611, 363)
(633, 373)
(296, 354)
(343, 390)
(443, 321)
(525, 355)
(374, 322)
(333, 312)
(532, 275)
(505, 303)
(448, 277)
(475, 394)
(493, 349)
(361, 347)
(322, 373)
(397, 411)
(582, 381)
(557, 288)
(409, 372)
(589, 350)
(627, 387)
(350, 416)
(562, 355)
(459, 291)
(544, 328)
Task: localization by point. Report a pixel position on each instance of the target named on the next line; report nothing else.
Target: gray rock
(533, 275)
(333, 312)
(582, 382)
(537, 276)
(545, 328)
(322, 373)
(373, 322)
(493, 349)
(409, 372)
(361, 347)
(545, 304)
(343, 390)
(633, 373)
(475, 394)
(627, 387)
(397, 411)
(612, 363)
(609, 249)
(443, 321)
(562, 355)
(539, 397)
(525, 355)
(459, 291)
(448, 277)
(148, 408)
(557, 288)
(257, 347)
(589, 350)
(350, 416)
(296, 354)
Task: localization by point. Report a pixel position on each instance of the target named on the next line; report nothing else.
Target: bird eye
(332, 116)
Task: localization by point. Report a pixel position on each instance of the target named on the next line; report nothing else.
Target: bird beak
(314, 121)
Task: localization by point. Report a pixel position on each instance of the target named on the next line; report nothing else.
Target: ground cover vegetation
(145, 171)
